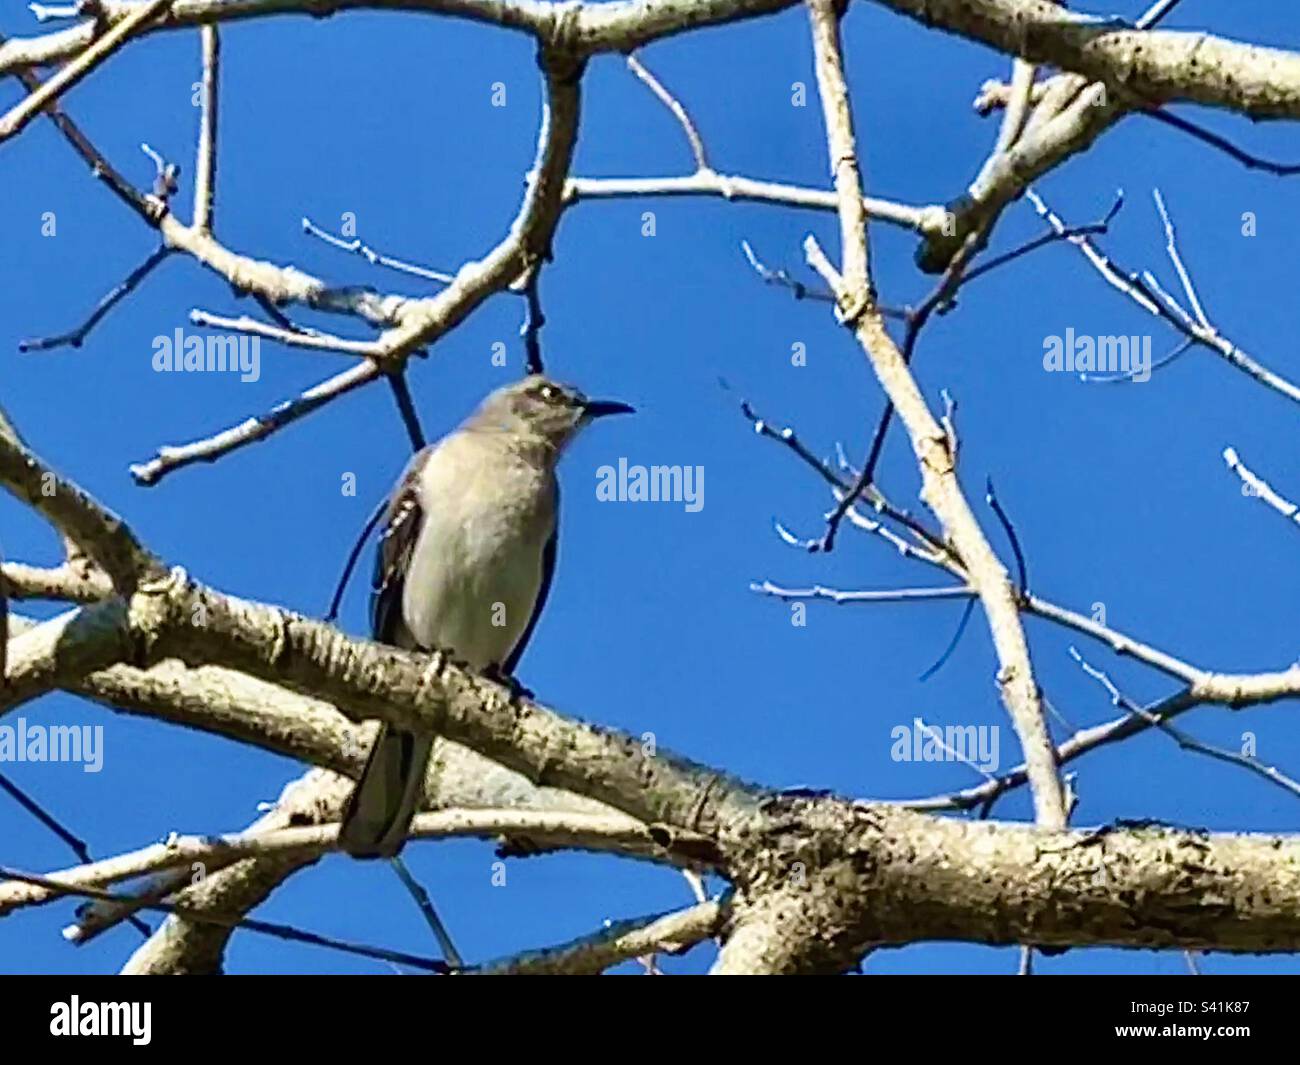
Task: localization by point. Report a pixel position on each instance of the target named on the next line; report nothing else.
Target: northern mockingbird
(464, 565)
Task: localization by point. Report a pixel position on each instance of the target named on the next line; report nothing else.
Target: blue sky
(1119, 493)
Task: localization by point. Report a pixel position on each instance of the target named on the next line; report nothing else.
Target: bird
(464, 565)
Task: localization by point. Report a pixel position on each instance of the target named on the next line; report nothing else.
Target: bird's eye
(549, 394)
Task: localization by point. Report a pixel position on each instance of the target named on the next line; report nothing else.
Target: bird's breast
(477, 573)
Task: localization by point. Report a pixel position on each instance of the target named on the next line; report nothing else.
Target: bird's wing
(402, 523)
(548, 574)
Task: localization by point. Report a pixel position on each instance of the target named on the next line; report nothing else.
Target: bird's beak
(599, 408)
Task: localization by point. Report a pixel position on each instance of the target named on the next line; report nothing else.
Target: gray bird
(464, 565)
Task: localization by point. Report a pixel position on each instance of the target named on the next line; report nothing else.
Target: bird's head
(545, 410)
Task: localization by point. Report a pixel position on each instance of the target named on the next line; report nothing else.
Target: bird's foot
(517, 690)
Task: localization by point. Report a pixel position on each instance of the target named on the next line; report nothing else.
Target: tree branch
(940, 489)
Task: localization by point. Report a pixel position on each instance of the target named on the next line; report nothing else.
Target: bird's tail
(379, 811)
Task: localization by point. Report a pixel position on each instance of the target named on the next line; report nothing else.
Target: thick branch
(1156, 66)
(74, 583)
(101, 534)
(900, 880)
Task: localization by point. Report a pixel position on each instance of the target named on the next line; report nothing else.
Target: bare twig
(1139, 373)
(205, 164)
(165, 181)
(53, 12)
(596, 831)
(936, 734)
(425, 903)
(953, 641)
(931, 547)
(833, 595)
(75, 843)
(147, 207)
(376, 258)
(782, 278)
(738, 189)
(1222, 144)
(1171, 248)
(1259, 488)
(1156, 13)
(858, 292)
(1146, 293)
(1021, 569)
(406, 408)
(679, 112)
(252, 430)
(618, 941)
(76, 337)
(279, 931)
(1018, 102)
(333, 612)
(1183, 739)
(534, 319)
(293, 338)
